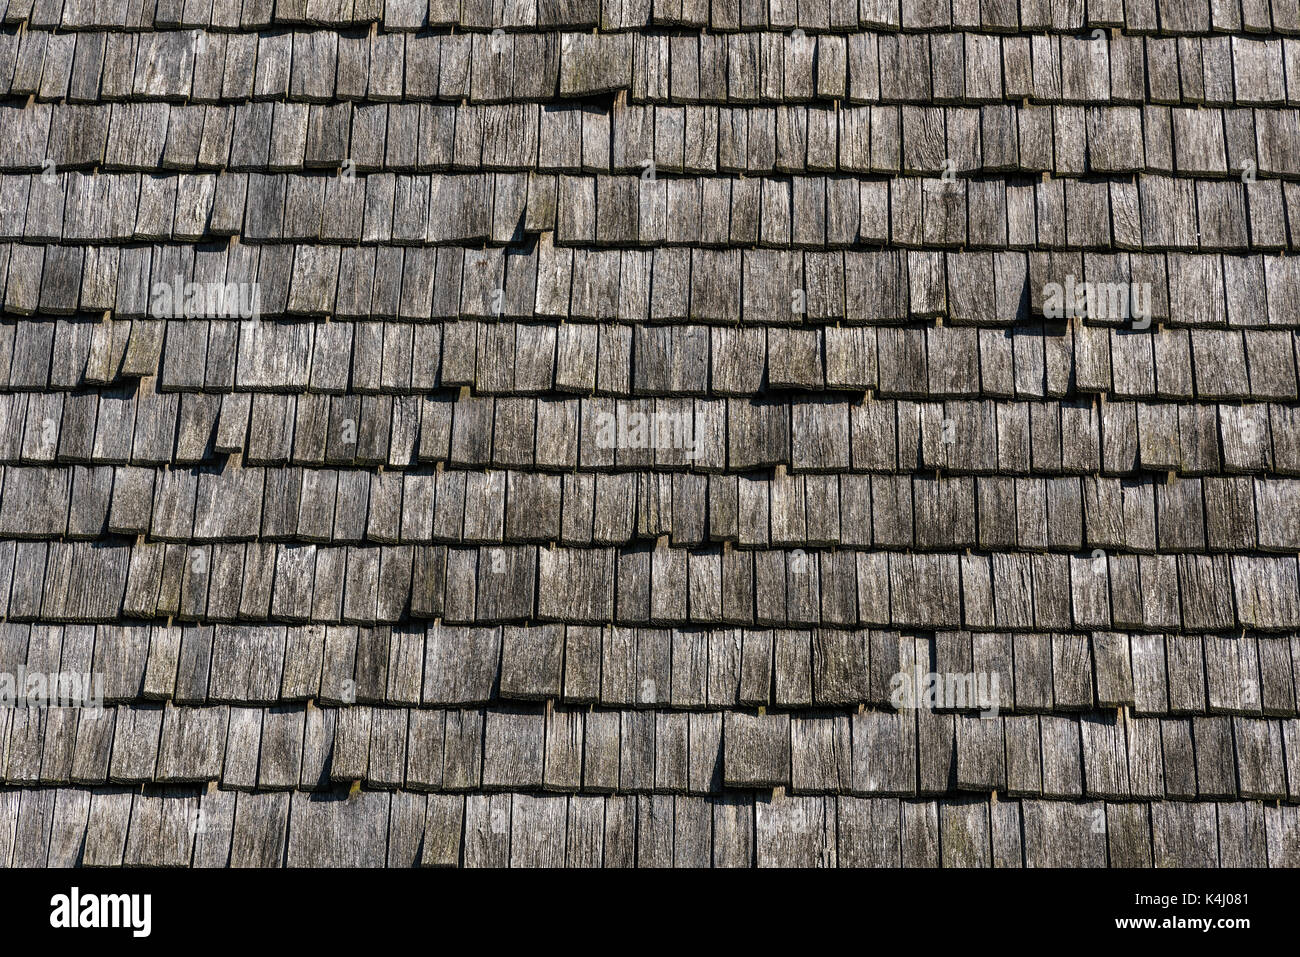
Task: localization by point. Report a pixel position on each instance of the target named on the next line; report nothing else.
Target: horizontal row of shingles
(906, 753)
(806, 434)
(665, 285)
(605, 434)
(423, 211)
(722, 668)
(864, 67)
(1030, 361)
(659, 585)
(680, 360)
(649, 585)
(855, 510)
(355, 507)
(1070, 141)
(1139, 16)
(181, 827)
(676, 360)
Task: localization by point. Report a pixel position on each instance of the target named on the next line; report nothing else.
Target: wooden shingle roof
(550, 434)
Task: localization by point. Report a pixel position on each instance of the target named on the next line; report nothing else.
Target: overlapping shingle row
(345, 506)
(869, 65)
(184, 826)
(1171, 17)
(419, 665)
(107, 580)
